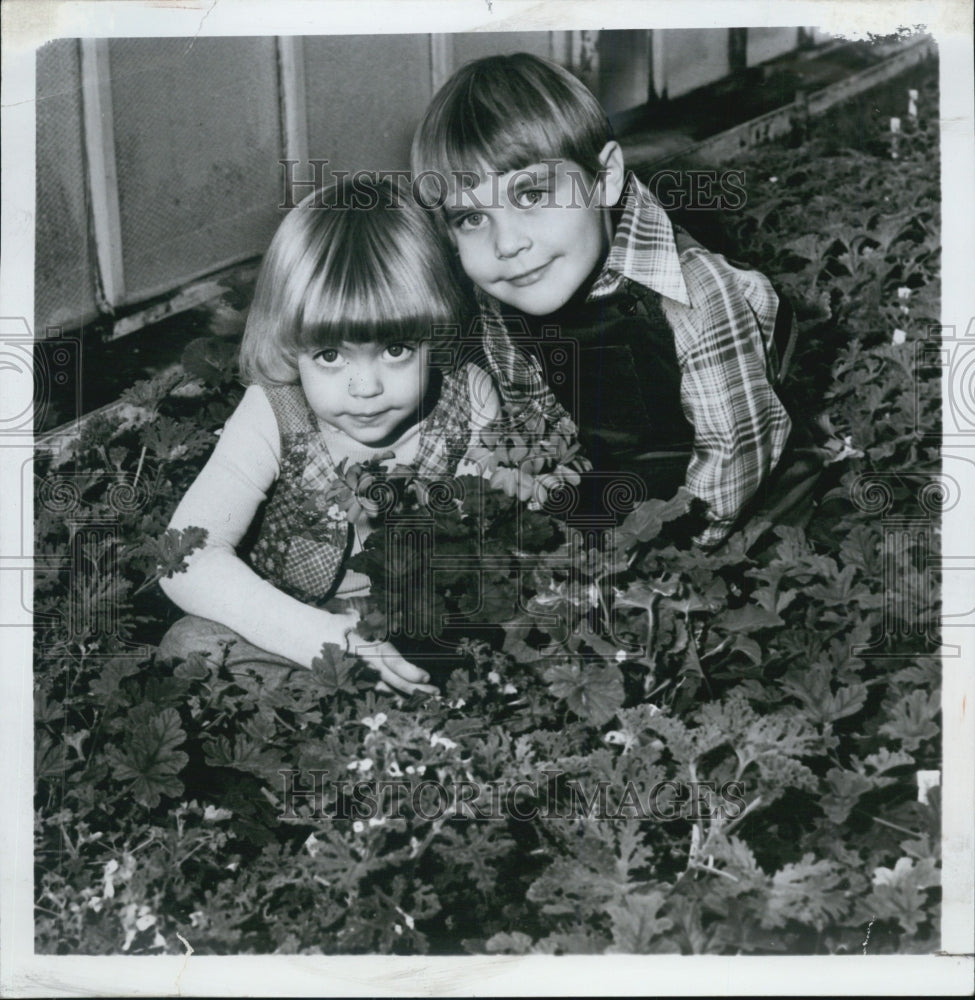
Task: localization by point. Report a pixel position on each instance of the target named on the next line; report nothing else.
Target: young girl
(349, 303)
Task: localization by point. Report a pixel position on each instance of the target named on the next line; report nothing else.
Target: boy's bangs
(491, 144)
(507, 113)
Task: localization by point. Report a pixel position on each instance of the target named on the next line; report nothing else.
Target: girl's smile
(371, 392)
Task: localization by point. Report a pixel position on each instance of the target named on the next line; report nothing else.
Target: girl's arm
(219, 585)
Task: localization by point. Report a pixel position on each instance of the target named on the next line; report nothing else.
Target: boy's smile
(531, 237)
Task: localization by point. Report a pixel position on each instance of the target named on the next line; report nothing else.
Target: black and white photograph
(485, 491)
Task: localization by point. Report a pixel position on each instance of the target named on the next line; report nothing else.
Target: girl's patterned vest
(303, 540)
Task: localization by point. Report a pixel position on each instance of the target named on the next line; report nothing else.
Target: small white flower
(211, 814)
(397, 928)
(436, 740)
(509, 689)
(358, 826)
(899, 337)
(95, 903)
(457, 703)
(375, 722)
(494, 677)
(620, 656)
(360, 765)
(393, 768)
(377, 820)
(903, 292)
(310, 845)
(773, 180)
(410, 769)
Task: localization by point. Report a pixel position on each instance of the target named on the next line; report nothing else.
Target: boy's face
(372, 392)
(531, 237)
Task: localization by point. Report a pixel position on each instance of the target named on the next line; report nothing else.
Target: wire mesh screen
(197, 144)
(364, 96)
(64, 293)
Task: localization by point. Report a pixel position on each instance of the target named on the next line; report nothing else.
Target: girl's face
(372, 392)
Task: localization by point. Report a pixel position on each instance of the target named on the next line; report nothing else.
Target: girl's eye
(471, 221)
(399, 352)
(328, 357)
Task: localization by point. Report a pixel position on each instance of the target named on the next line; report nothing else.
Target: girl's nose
(510, 236)
(364, 381)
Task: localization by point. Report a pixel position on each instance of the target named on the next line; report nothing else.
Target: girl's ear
(612, 174)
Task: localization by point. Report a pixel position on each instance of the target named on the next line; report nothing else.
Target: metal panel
(365, 95)
(693, 58)
(490, 43)
(768, 43)
(197, 138)
(624, 69)
(64, 290)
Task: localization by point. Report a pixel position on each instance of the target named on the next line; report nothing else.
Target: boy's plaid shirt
(723, 319)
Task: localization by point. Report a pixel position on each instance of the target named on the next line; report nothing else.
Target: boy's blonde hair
(503, 113)
(359, 261)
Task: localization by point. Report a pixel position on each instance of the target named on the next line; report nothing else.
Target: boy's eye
(328, 357)
(399, 352)
(529, 197)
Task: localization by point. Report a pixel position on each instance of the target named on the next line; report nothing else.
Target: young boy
(674, 362)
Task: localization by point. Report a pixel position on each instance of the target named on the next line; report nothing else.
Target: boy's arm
(740, 426)
(217, 584)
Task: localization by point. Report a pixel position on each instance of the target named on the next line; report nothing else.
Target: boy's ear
(613, 175)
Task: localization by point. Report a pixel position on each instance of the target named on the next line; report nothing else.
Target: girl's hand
(395, 672)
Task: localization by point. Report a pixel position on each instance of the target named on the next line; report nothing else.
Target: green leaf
(335, 670)
(898, 893)
(846, 789)
(503, 943)
(809, 892)
(647, 519)
(593, 693)
(212, 359)
(149, 760)
(106, 687)
(637, 923)
(750, 618)
(911, 720)
(170, 551)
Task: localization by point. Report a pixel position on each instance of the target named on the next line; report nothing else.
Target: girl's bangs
(385, 315)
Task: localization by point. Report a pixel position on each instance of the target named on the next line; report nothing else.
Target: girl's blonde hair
(359, 261)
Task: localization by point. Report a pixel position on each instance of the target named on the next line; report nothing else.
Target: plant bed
(665, 751)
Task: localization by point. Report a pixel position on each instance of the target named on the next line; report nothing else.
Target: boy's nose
(510, 239)
(364, 381)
